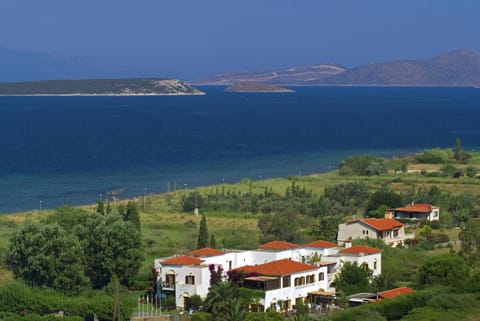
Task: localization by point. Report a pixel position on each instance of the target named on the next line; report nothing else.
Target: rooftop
(395, 292)
(206, 251)
(278, 246)
(382, 224)
(320, 244)
(415, 208)
(361, 249)
(278, 268)
(182, 260)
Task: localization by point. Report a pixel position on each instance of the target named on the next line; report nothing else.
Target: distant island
(100, 87)
(456, 68)
(257, 87)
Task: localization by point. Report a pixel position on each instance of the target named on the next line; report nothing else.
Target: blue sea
(73, 150)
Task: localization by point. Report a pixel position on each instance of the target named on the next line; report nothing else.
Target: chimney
(347, 244)
(388, 214)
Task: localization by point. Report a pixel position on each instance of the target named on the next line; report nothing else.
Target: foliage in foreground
(38, 304)
(73, 249)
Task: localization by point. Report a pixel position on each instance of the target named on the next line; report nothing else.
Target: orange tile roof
(395, 292)
(382, 224)
(182, 260)
(278, 268)
(357, 249)
(415, 208)
(320, 244)
(206, 251)
(278, 246)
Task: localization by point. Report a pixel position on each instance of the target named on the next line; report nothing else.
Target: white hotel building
(283, 271)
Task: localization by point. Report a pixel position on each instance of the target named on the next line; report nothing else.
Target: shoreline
(104, 95)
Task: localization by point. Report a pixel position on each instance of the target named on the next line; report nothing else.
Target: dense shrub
(435, 156)
(367, 165)
(16, 296)
(201, 316)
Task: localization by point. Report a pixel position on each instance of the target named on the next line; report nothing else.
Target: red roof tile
(357, 249)
(278, 268)
(278, 246)
(395, 292)
(320, 244)
(206, 251)
(182, 260)
(415, 208)
(382, 224)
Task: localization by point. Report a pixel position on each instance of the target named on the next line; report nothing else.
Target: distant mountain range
(457, 68)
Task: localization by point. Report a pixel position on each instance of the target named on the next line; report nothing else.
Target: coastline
(106, 95)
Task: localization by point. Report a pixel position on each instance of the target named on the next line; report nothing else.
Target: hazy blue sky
(190, 38)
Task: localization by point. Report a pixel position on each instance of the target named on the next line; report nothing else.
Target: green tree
(213, 242)
(382, 282)
(192, 200)
(348, 195)
(470, 238)
(384, 196)
(132, 214)
(203, 233)
(327, 227)
(72, 247)
(363, 165)
(301, 312)
(458, 153)
(281, 226)
(111, 246)
(435, 156)
(101, 207)
(352, 279)
(224, 303)
(444, 269)
(47, 255)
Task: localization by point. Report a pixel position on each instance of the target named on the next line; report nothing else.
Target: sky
(189, 39)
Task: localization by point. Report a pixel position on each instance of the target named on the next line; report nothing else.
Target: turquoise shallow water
(56, 149)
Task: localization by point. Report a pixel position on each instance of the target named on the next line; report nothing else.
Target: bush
(362, 165)
(201, 316)
(16, 296)
(435, 156)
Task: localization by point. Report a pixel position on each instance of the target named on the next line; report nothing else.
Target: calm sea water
(72, 149)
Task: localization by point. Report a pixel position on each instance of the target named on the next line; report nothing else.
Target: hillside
(100, 87)
(456, 68)
(296, 75)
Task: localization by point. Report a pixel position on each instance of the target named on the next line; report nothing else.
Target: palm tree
(223, 302)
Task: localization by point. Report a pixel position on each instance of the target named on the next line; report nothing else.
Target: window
(310, 278)
(300, 281)
(190, 279)
(321, 276)
(170, 281)
(286, 281)
(375, 264)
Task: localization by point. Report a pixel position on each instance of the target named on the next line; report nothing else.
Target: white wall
(293, 292)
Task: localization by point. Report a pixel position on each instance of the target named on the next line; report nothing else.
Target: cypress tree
(132, 215)
(203, 233)
(213, 242)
